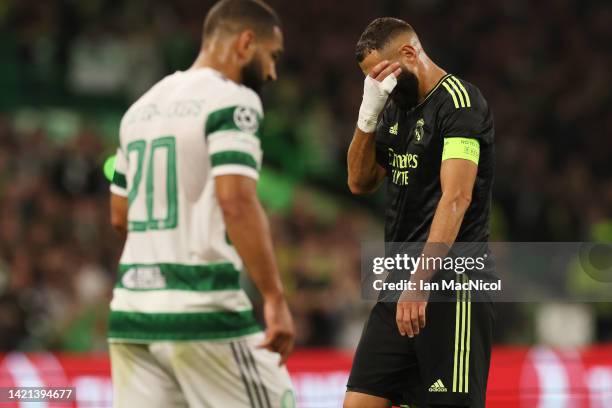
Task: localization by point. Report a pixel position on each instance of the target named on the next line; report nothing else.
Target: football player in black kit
(429, 135)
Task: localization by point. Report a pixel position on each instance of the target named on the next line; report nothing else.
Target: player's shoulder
(225, 93)
(213, 87)
(455, 93)
(148, 106)
(232, 106)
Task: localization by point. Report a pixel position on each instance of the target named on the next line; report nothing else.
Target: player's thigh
(231, 373)
(454, 351)
(354, 399)
(262, 364)
(385, 363)
(139, 380)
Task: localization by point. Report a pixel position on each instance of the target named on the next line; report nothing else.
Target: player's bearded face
(253, 75)
(406, 92)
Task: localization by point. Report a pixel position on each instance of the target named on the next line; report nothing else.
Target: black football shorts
(447, 364)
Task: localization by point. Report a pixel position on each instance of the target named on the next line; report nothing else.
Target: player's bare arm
(245, 219)
(364, 173)
(119, 210)
(457, 177)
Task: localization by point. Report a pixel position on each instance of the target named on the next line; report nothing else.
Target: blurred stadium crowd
(69, 69)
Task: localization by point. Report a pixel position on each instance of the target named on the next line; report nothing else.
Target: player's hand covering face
(406, 93)
(378, 85)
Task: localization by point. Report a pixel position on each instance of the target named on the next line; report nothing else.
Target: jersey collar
(432, 90)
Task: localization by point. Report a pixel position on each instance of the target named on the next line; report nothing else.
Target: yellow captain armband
(461, 148)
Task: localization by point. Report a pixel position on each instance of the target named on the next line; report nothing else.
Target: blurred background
(69, 69)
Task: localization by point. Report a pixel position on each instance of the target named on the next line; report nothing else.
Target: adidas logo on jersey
(438, 386)
(393, 129)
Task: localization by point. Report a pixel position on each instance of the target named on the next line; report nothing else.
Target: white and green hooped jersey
(179, 275)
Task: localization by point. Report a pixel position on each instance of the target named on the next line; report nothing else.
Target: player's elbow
(235, 204)
(118, 214)
(358, 188)
(232, 209)
(365, 182)
(118, 221)
(120, 229)
(459, 200)
(236, 196)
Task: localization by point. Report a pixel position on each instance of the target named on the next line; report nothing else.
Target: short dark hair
(239, 15)
(378, 33)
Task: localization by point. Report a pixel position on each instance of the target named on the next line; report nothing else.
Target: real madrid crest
(418, 130)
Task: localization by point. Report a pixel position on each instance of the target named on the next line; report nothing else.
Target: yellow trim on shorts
(461, 360)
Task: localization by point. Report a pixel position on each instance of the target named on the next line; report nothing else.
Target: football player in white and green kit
(181, 329)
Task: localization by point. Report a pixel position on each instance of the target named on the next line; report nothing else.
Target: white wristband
(367, 124)
(375, 95)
